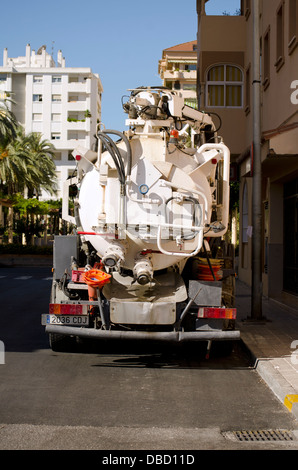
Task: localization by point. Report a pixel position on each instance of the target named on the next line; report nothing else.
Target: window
(56, 79)
(73, 135)
(37, 117)
(57, 156)
(37, 98)
(190, 67)
(280, 37)
(55, 136)
(224, 86)
(73, 98)
(37, 78)
(56, 98)
(266, 59)
(56, 117)
(3, 77)
(73, 79)
(189, 86)
(293, 25)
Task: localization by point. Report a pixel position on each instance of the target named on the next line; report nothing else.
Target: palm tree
(8, 122)
(13, 164)
(40, 166)
(26, 162)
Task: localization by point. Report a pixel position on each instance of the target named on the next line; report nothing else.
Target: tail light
(68, 309)
(217, 312)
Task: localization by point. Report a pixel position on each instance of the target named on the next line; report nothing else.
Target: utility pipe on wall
(256, 291)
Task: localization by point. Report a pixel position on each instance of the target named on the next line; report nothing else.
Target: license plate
(74, 320)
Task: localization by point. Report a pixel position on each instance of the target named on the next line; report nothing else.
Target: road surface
(116, 397)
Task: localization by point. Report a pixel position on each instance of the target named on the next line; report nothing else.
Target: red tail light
(217, 312)
(68, 309)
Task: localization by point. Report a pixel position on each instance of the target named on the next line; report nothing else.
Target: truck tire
(60, 343)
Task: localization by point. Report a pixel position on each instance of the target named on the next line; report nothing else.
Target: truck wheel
(60, 343)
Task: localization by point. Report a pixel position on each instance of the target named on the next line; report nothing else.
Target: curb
(291, 402)
(281, 388)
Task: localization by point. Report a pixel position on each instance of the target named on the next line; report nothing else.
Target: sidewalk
(273, 344)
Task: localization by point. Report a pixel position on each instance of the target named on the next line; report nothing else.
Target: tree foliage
(34, 206)
(8, 122)
(26, 162)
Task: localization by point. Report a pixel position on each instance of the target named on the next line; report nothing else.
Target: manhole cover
(260, 435)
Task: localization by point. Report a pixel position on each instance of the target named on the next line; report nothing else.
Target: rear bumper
(172, 336)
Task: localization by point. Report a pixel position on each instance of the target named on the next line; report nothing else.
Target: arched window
(224, 87)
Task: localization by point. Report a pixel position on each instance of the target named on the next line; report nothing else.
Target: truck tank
(149, 203)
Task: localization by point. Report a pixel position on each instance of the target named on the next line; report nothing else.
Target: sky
(120, 40)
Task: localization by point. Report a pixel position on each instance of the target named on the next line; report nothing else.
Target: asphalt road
(122, 397)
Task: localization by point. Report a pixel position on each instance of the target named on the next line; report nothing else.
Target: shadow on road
(134, 354)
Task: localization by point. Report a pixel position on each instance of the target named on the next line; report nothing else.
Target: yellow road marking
(290, 400)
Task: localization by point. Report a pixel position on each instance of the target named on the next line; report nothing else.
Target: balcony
(77, 87)
(80, 125)
(180, 75)
(76, 105)
(77, 137)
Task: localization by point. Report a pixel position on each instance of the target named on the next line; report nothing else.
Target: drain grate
(261, 435)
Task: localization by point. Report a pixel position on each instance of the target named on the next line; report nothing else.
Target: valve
(143, 270)
(114, 256)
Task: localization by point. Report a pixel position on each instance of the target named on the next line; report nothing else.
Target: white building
(62, 103)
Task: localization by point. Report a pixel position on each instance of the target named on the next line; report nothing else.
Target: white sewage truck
(149, 209)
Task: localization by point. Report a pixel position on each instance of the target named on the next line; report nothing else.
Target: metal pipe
(102, 317)
(186, 309)
(178, 253)
(226, 153)
(172, 336)
(256, 301)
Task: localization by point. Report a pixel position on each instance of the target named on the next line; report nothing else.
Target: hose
(195, 202)
(65, 290)
(220, 121)
(115, 154)
(128, 148)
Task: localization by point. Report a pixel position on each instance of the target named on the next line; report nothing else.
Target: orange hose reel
(95, 279)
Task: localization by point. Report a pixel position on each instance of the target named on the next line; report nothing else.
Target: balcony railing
(180, 74)
(78, 87)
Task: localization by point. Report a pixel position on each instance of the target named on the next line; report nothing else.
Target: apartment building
(178, 70)
(225, 62)
(62, 103)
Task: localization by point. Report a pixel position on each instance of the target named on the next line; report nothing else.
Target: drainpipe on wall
(200, 9)
(256, 290)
